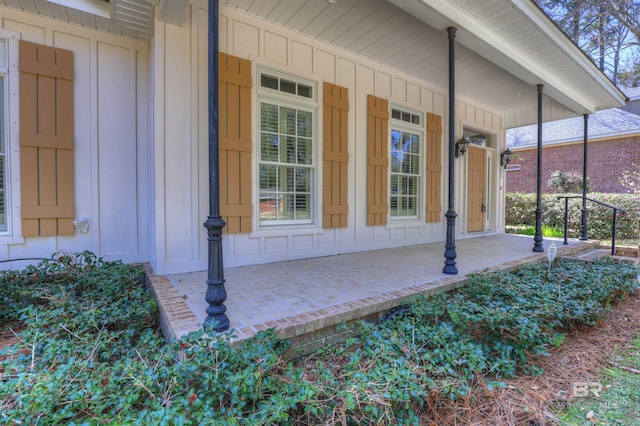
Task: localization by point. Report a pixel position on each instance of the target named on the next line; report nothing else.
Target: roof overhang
(529, 48)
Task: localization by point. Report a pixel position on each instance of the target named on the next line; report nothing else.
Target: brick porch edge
(312, 330)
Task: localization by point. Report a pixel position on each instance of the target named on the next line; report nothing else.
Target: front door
(476, 208)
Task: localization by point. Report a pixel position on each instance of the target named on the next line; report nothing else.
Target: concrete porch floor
(302, 296)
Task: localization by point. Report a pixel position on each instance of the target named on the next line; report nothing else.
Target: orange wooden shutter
(434, 167)
(46, 140)
(234, 114)
(377, 161)
(336, 157)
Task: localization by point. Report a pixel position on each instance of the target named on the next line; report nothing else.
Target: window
(3, 135)
(287, 143)
(406, 164)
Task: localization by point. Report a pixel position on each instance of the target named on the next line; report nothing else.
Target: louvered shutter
(434, 168)
(46, 140)
(335, 156)
(234, 114)
(377, 160)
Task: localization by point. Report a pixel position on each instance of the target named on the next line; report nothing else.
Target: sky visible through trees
(606, 30)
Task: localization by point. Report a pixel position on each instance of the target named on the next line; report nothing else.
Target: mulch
(531, 400)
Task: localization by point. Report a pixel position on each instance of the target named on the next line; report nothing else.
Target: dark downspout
(450, 250)
(537, 244)
(583, 222)
(216, 293)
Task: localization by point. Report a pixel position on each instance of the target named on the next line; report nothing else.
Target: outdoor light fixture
(505, 157)
(461, 146)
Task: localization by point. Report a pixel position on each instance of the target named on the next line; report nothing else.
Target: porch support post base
(216, 293)
(537, 239)
(450, 249)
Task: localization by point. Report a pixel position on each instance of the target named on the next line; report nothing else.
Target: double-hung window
(4, 81)
(406, 164)
(287, 138)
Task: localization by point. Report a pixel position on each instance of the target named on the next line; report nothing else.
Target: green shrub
(520, 210)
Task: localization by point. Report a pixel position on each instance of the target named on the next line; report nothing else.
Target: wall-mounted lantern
(461, 146)
(505, 157)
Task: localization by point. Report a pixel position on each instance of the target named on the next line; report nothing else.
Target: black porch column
(450, 250)
(583, 221)
(537, 239)
(216, 293)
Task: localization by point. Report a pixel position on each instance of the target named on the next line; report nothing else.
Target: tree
(570, 182)
(608, 31)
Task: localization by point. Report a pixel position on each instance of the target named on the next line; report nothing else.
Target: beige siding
(110, 165)
(184, 203)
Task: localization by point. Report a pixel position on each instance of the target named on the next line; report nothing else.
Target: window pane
(304, 151)
(305, 125)
(287, 86)
(288, 151)
(412, 206)
(303, 206)
(268, 118)
(287, 179)
(268, 178)
(303, 179)
(269, 147)
(287, 121)
(415, 144)
(304, 90)
(288, 209)
(269, 82)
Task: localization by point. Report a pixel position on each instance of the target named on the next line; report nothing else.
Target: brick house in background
(614, 146)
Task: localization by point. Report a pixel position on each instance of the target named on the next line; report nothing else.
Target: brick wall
(607, 160)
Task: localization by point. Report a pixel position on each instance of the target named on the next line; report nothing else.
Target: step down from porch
(599, 253)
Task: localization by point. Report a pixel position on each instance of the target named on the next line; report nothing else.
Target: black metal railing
(613, 222)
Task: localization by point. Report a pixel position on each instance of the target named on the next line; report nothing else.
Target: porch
(309, 299)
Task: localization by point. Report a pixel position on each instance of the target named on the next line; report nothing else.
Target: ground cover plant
(87, 350)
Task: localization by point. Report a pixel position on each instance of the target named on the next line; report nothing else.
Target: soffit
(127, 18)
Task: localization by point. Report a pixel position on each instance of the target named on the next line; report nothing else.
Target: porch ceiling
(510, 41)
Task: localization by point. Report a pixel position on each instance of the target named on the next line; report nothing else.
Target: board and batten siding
(111, 146)
(181, 123)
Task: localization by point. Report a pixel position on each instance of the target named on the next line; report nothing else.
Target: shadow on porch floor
(302, 297)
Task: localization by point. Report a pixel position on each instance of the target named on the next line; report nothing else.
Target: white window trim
(396, 124)
(297, 102)
(12, 149)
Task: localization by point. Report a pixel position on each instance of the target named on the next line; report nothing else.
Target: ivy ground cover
(86, 349)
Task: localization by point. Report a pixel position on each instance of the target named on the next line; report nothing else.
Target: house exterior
(335, 124)
(613, 147)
